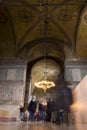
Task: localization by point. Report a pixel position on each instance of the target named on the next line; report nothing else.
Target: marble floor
(40, 126)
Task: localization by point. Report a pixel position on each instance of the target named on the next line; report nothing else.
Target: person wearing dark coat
(49, 110)
(32, 109)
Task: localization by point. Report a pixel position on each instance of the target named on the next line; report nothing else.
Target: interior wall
(12, 86)
(79, 106)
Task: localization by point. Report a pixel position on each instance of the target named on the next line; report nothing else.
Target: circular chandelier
(44, 84)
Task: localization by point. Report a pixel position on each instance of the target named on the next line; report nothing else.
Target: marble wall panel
(12, 80)
(75, 70)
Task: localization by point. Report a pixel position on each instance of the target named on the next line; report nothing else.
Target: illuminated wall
(80, 101)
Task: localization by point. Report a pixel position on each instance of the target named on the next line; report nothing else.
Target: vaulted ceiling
(34, 29)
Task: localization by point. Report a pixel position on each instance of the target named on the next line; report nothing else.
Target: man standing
(32, 108)
(49, 110)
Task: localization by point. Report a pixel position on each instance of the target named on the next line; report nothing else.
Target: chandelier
(45, 83)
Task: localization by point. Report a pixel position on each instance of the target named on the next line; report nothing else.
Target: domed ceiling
(34, 29)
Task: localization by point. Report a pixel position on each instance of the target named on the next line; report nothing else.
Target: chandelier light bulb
(44, 84)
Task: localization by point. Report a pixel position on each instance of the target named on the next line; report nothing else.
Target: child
(21, 112)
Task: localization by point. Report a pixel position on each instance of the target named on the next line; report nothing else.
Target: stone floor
(40, 126)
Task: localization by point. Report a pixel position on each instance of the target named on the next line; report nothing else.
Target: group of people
(40, 111)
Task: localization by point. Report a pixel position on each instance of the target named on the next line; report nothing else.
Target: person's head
(34, 98)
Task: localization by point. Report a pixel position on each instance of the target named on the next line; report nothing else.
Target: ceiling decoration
(24, 16)
(3, 18)
(81, 46)
(23, 24)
